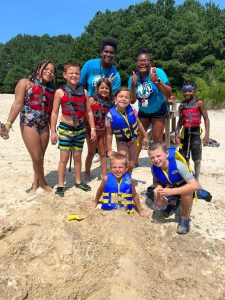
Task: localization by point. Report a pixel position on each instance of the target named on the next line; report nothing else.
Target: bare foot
(47, 188)
(32, 190)
(145, 213)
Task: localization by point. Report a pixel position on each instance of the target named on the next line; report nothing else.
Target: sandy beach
(108, 255)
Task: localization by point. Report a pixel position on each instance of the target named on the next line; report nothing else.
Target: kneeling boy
(171, 178)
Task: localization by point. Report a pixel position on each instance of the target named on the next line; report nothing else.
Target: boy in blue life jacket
(118, 189)
(171, 178)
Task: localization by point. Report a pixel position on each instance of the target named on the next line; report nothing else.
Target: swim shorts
(191, 144)
(71, 138)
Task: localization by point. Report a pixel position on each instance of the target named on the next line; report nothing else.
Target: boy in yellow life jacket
(172, 178)
(117, 188)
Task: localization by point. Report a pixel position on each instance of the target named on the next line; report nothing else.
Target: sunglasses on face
(188, 88)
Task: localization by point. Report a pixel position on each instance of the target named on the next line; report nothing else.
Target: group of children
(97, 119)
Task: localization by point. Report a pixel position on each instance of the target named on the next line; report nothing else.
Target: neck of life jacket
(190, 114)
(118, 194)
(40, 97)
(74, 102)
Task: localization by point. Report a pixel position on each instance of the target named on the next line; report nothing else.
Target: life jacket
(40, 97)
(124, 127)
(100, 110)
(190, 114)
(172, 177)
(118, 194)
(74, 102)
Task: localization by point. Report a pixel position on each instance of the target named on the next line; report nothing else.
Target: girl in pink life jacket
(33, 100)
(71, 132)
(100, 103)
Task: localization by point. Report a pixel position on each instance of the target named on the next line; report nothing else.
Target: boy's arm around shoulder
(142, 212)
(203, 110)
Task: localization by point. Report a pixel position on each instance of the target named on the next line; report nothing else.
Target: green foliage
(187, 41)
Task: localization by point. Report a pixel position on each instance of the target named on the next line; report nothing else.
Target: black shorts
(191, 144)
(142, 115)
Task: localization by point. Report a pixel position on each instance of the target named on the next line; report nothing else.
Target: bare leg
(102, 154)
(64, 157)
(92, 145)
(77, 165)
(158, 125)
(36, 144)
(197, 167)
(132, 150)
(145, 122)
(186, 205)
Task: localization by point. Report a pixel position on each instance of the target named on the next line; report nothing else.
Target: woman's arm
(134, 82)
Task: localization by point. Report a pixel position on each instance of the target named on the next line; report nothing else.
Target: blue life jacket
(124, 127)
(118, 194)
(172, 177)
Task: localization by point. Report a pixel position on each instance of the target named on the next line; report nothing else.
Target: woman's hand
(134, 79)
(153, 77)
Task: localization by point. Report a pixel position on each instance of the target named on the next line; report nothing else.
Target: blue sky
(56, 17)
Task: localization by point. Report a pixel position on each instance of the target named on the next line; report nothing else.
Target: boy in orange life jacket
(71, 132)
(190, 112)
(118, 188)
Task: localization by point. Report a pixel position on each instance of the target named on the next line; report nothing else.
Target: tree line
(187, 41)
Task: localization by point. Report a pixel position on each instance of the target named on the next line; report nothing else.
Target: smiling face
(118, 168)
(46, 74)
(143, 64)
(188, 92)
(158, 158)
(104, 90)
(122, 100)
(107, 56)
(72, 76)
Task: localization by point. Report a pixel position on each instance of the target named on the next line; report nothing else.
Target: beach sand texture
(108, 255)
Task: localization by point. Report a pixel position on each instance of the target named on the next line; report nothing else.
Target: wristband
(93, 129)
(9, 123)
